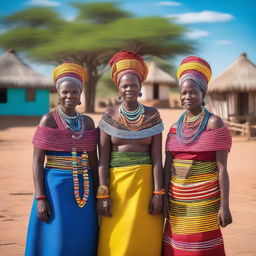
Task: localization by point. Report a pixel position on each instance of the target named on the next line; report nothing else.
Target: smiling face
(69, 95)
(129, 87)
(191, 96)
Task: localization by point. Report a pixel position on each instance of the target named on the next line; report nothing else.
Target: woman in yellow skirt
(130, 171)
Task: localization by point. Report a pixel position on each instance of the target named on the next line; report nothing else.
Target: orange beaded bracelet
(160, 192)
(103, 196)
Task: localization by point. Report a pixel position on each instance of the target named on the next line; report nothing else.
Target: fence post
(247, 129)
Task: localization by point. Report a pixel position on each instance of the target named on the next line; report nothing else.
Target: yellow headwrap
(70, 69)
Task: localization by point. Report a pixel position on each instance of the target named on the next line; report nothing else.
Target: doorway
(155, 91)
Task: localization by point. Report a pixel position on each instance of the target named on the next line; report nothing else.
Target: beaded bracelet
(160, 192)
(102, 190)
(40, 197)
(103, 196)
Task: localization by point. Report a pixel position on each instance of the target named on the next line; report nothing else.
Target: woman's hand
(43, 210)
(224, 217)
(166, 206)
(104, 207)
(156, 204)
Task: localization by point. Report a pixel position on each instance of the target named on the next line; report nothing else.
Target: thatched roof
(157, 75)
(15, 73)
(240, 76)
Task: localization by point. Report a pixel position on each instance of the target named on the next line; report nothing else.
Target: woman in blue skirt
(63, 219)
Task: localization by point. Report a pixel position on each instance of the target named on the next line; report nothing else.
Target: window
(30, 94)
(3, 95)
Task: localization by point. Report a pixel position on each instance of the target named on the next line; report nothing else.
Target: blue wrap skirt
(71, 230)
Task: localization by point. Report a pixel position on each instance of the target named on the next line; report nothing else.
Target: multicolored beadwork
(132, 119)
(85, 165)
(187, 132)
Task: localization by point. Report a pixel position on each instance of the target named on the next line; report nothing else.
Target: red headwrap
(127, 62)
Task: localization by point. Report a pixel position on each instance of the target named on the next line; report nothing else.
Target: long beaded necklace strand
(73, 123)
(132, 119)
(188, 133)
(85, 165)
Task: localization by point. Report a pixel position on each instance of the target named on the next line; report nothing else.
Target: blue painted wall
(18, 106)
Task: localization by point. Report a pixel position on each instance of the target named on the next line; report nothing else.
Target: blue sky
(223, 29)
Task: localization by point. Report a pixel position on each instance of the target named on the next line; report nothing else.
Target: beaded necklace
(189, 119)
(132, 119)
(85, 165)
(131, 115)
(74, 123)
(189, 131)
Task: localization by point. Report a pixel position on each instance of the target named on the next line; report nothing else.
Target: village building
(232, 94)
(23, 91)
(156, 88)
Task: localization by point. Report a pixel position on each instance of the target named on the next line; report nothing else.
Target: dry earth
(16, 186)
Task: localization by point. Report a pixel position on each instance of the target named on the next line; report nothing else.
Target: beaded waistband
(119, 159)
(64, 162)
(78, 165)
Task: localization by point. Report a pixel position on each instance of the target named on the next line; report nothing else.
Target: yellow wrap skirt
(131, 231)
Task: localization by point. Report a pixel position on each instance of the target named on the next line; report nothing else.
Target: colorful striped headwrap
(197, 69)
(127, 62)
(69, 71)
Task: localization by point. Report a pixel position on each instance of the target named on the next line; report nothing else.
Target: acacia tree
(98, 31)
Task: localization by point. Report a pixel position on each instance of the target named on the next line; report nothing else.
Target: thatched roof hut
(158, 76)
(157, 85)
(239, 77)
(232, 95)
(15, 73)
(23, 91)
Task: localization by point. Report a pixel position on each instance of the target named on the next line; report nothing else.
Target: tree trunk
(90, 89)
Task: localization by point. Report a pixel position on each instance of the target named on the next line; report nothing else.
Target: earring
(58, 102)
(79, 103)
(119, 97)
(140, 94)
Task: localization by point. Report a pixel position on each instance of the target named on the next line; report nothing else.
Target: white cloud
(43, 3)
(202, 17)
(169, 3)
(196, 34)
(224, 42)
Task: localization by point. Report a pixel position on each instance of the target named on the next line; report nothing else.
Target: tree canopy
(91, 38)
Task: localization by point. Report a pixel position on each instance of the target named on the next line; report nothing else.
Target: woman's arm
(93, 158)
(38, 171)
(167, 178)
(105, 150)
(225, 217)
(43, 208)
(104, 204)
(156, 156)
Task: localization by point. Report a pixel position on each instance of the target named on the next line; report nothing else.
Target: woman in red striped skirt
(197, 147)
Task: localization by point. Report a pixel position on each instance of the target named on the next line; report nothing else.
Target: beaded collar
(189, 133)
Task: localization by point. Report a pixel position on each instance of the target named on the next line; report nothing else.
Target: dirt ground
(16, 186)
